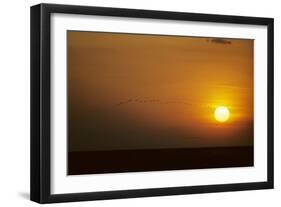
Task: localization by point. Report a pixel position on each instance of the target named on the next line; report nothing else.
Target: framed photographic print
(132, 103)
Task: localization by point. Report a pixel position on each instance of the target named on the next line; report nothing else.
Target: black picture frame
(41, 95)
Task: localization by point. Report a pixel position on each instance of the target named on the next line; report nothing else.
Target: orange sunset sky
(133, 91)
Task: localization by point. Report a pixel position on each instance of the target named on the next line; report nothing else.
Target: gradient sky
(133, 91)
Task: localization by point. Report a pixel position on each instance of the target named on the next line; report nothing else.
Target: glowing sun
(221, 114)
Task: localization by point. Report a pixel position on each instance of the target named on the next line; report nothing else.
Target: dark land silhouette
(117, 161)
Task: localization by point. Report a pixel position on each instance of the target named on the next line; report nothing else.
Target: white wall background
(14, 101)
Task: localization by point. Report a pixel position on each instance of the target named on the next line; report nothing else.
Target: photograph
(154, 102)
(129, 103)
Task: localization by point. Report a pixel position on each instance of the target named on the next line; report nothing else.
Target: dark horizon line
(170, 149)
